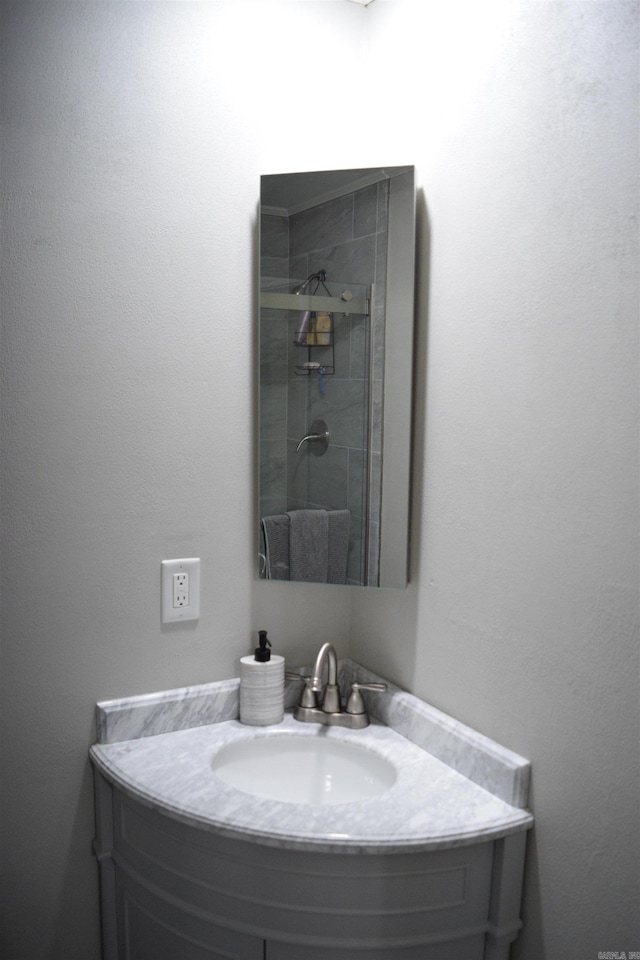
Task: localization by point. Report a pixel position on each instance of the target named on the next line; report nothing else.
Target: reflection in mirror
(335, 347)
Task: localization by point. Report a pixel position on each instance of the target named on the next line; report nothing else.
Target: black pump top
(262, 654)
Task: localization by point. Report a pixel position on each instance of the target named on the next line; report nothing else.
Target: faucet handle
(290, 675)
(308, 697)
(355, 703)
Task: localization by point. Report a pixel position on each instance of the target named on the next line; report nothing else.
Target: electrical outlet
(180, 589)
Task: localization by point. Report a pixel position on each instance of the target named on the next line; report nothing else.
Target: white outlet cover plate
(190, 566)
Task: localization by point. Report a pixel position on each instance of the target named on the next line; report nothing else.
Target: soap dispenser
(261, 685)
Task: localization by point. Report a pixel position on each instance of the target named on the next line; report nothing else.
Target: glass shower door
(322, 377)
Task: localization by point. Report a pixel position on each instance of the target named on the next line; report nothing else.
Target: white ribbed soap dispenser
(261, 686)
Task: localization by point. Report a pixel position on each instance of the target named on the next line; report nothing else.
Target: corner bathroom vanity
(411, 848)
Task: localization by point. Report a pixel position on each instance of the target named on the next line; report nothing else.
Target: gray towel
(308, 545)
(338, 553)
(276, 541)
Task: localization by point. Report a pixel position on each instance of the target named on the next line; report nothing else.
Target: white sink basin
(303, 769)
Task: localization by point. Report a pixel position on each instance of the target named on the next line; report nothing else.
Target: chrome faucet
(321, 704)
(330, 701)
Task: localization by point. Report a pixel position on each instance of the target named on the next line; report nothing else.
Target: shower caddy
(316, 303)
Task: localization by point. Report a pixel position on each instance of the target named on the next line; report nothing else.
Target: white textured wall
(522, 615)
(135, 134)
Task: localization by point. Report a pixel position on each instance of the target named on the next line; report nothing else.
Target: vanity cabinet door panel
(151, 928)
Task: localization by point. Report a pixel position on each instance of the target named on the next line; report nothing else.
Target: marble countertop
(454, 786)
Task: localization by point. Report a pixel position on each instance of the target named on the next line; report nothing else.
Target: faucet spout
(331, 699)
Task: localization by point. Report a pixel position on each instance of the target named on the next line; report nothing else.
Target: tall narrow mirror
(335, 359)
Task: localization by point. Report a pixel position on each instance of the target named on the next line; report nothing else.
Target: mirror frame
(399, 327)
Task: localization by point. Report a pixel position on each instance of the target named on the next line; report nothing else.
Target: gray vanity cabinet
(173, 891)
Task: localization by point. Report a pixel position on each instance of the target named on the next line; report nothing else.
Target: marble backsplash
(486, 763)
